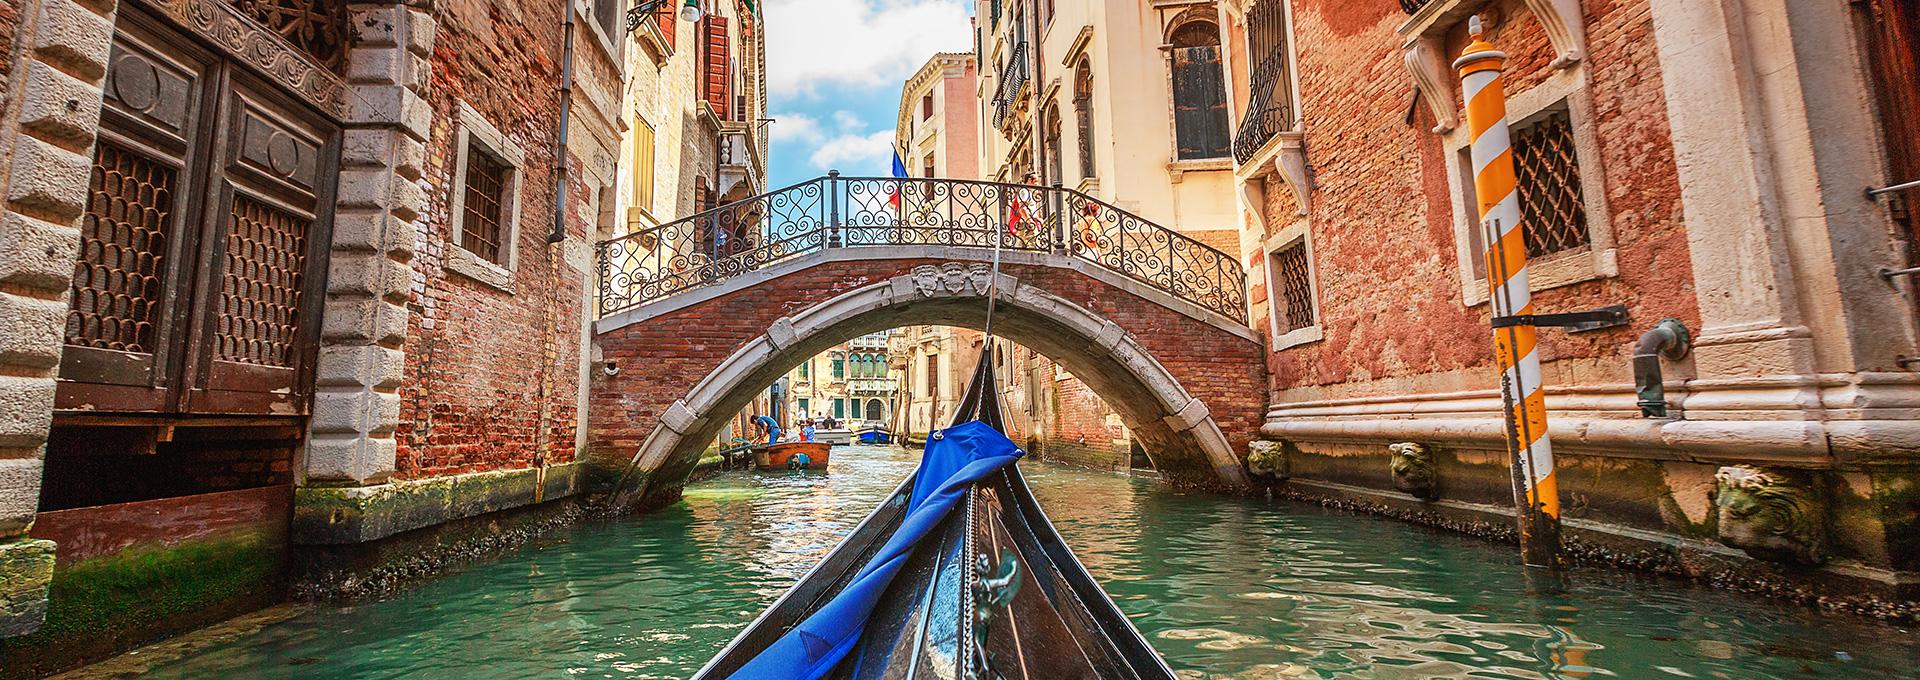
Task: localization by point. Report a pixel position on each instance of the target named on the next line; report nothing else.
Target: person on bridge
(1023, 221)
(769, 426)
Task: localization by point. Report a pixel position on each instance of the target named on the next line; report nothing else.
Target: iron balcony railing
(852, 212)
(1269, 112)
(1413, 6)
(1012, 79)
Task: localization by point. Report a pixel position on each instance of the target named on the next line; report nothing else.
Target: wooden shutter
(1199, 102)
(667, 17)
(716, 85)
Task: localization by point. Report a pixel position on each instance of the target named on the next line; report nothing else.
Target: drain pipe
(1669, 339)
(560, 143)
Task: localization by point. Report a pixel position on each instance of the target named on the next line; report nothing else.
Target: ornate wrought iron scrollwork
(846, 212)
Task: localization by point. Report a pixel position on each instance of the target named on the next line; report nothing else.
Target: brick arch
(1188, 383)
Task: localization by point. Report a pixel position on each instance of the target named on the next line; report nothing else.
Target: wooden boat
(780, 456)
(991, 591)
(873, 434)
(840, 436)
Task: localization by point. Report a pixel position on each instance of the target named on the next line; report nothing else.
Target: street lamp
(689, 12)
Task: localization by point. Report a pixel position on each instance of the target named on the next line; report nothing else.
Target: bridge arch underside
(1142, 360)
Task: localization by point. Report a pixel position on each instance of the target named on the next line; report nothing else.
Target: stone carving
(952, 278)
(261, 48)
(1771, 514)
(1267, 459)
(1412, 466)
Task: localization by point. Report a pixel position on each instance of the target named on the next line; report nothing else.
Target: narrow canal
(1224, 587)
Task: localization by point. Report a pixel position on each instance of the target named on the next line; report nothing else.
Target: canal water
(1224, 587)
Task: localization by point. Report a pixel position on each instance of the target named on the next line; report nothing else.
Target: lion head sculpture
(1412, 466)
(1266, 459)
(1771, 514)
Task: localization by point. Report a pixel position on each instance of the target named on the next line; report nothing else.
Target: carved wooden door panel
(124, 327)
(258, 305)
(202, 249)
(1199, 103)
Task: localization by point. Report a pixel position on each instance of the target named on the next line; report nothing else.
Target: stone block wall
(1073, 424)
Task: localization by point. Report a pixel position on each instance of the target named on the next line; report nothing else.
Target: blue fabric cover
(966, 453)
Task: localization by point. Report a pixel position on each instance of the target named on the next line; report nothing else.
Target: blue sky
(834, 70)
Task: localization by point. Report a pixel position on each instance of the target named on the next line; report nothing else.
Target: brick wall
(663, 357)
(1382, 220)
(1076, 426)
(491, 375)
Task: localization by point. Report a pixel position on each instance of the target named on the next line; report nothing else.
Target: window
(486, 192)
(607, 14)
(643, 155)
(1290, 291)
(839, 367)
(1083, 114)
(1269, 82)
(926, 107)
(1050, 146)
(932, 377)
(1199, 92)
(714, 64)
(486, 204)
(839, 409)
(1553, 213)
(803, 368)
(874, 409)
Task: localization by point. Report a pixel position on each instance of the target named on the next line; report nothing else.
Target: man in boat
(770, 426)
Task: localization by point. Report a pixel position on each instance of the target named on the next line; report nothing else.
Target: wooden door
(202, 249)
(1199, 103)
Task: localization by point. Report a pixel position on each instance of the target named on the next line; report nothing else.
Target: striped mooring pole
(1515, 346)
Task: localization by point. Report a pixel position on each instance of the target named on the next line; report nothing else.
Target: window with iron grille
(1199, 92)
(1269, 86)
(1553, 210)
(480, 230)
(1291, 283)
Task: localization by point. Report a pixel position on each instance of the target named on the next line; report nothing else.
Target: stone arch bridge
(697, 316)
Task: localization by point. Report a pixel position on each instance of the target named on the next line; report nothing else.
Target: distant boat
(780, 456)
(873, 434)
(837, 436)
(964, 579)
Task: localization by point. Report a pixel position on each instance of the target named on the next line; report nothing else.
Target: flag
(894, 190)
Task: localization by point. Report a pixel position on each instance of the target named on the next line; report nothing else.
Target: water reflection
(1225, 588)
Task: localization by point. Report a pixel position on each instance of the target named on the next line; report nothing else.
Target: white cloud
(848, 120)
(796, 127)
(854, 150)
(864, 43)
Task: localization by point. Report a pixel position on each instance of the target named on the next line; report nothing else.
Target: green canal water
(1224, 587)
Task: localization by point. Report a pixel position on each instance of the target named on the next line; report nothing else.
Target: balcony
(741, 158)
(872, 386)
(1269, 113)
(871, 341)
(1013, 83)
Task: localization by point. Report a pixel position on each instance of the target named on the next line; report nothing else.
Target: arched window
(1199, 92)
(873, 409)
(839, 366)
(1050, 127)
(1083, 114)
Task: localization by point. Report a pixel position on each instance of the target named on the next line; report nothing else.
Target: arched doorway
(874, 410)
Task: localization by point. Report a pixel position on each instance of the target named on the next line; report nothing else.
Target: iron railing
(1269, 90)
(1012, 79)
(851, 212)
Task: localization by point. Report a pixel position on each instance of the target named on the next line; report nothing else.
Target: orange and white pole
(1515, 345)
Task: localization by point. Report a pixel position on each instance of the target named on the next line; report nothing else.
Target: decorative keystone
(782, 333)
(679, 418)
(1108, 339)
(1772, 514)
(1267, 459)
(1412, 466)
(1189, 416)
